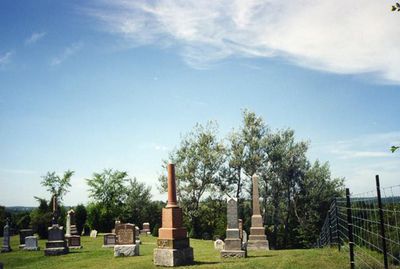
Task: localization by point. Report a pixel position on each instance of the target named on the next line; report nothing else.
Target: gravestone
(31, 243)
(233, 243)
(6, 238)
(146, 228)
(125, 240)
(71, 235)
(22, 234)
(240, 223)
(109, 240)
(56, 244)
(244, 239)
(93, 233)
(173, 247)
(74, 241)
(219, 244)
(68, 224)
(257, 238)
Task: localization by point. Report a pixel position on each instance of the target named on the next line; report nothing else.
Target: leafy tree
(138, 200)
(41, 218)
(394, 148)
(2, 219)
(198, 162)
(80, 217)
(57, 185)
(109, 190)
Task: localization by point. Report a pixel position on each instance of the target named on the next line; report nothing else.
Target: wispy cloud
(367, 146)
(360, 36)
(68, 52)
(35, 37)
(6, 58)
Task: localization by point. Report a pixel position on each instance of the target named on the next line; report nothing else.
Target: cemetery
(200, 134)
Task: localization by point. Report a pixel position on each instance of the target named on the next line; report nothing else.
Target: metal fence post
(350, 229)
(330, 228)
(382, 223)
(337, 224)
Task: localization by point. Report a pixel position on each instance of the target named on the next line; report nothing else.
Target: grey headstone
(55, 233)
(31, 243)
(219, 244)
(93, 233)
(6, 238)
(232, 214)
(24, 233)
(244, 236)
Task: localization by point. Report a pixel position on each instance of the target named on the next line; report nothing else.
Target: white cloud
(35, 37)
(6, 58)
(68, 52)
(346, 37)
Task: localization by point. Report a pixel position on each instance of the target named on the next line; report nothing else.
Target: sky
(92, 85)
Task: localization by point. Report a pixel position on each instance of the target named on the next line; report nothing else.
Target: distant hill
(19, 208)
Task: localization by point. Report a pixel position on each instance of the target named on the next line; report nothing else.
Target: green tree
(41, 218)
(56, 184)
(137, 206)
(198, 163)
(2, 219)
(80, 217)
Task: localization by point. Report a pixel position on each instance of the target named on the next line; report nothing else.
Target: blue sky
(114, 84)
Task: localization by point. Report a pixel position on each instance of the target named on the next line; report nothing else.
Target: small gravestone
(6, 238)
(219, 244)
(109, 240)
(56, 244)
(74, 241)
(146, 228)
(31, 243)
(125, 243)
(22, 234)
(93, 233)
(244, 239)
(233, 243)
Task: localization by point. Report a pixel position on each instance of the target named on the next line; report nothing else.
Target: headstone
(146, 228)
(244, 239)
(93, 233)
(125, 240)
(173, 247)
(6, 238)
(219, 244)
(74, 241)
(109, 240)
(240, 221)
(31, 243)
(257, 238)
(233, 243)
(56, 244)
(22, 234)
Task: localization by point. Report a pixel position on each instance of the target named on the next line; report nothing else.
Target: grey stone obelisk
(6, 238)
(233, 242)
(257, 239)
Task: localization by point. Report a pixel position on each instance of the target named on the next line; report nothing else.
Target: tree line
(295, 192)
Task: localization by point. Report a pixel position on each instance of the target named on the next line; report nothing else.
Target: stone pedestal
(56, 244)
(126, 250)
(31, 243)
(257, 238)
(6, 238)
(173, 246)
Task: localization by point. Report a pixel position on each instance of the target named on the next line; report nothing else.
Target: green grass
(94, 256)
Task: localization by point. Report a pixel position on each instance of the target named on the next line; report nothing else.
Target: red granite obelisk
(257, 238)
(173, 248)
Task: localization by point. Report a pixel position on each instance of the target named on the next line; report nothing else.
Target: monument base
(108, 246)
(126, 250)
(22, 246)
(32, 248)
(173, 257)
(54, 248)
(258, 245)
(6, 249)
(233, 254)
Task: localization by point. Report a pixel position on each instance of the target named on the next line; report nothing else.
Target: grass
(94, 256)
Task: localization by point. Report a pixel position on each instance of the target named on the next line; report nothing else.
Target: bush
(155, 230)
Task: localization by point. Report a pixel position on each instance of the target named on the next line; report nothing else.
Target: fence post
(330, 228)
(382, 222)
(337, 224)
(350, 228)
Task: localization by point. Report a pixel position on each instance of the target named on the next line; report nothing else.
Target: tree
(57, 185)
(80, 217)
(138, 202)
(198, 162)
(41, 218)
(108, 191)
(394, 148)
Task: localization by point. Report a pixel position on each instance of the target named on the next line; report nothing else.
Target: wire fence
(367, 226)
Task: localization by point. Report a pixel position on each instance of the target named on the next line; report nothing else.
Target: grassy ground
(94, 256)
